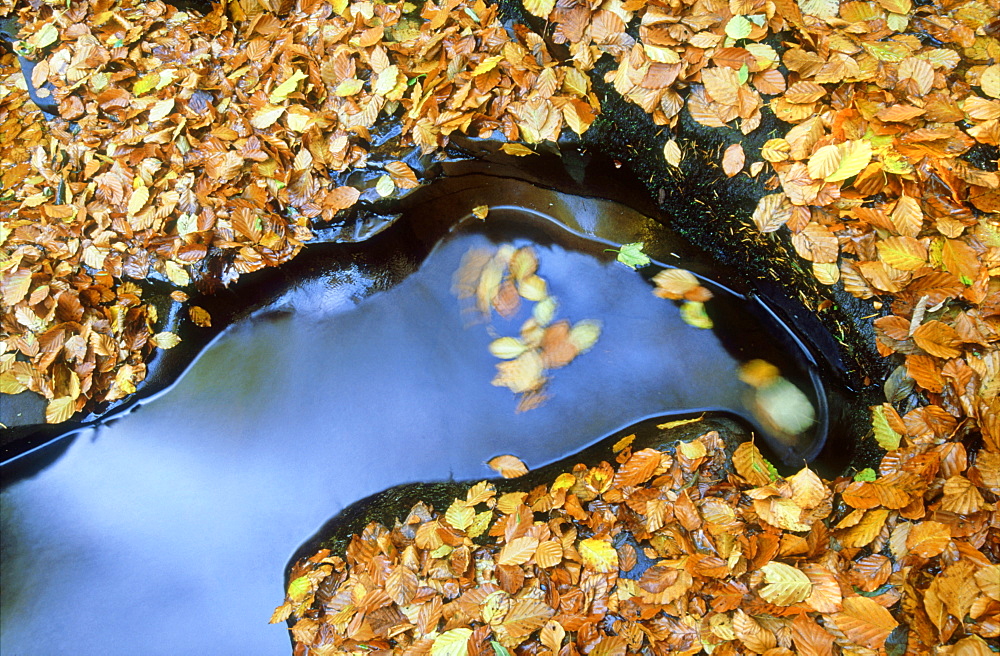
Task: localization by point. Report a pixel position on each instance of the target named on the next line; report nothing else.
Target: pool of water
(167, 531)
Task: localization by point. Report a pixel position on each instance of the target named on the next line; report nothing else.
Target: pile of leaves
(675, 552)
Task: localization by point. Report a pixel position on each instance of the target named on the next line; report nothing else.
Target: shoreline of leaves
(742, 562)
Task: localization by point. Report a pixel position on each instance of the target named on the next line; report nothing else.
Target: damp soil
(169, 528)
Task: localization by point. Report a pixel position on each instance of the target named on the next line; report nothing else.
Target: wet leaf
(772, 212)
(452, 643)
(733, 160)
(631, 255)
(508, 466)
(165, 340)
(672, 153)
(60, 410)
(598, 555)
(752, 466)
(786, 585)
(693, 314)
(289, 86)
(865, 622)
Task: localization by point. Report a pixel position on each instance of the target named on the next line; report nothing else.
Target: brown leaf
(508, 466)
(733, 160)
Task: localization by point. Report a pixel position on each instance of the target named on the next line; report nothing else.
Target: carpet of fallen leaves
(674, 553)
(191, 149)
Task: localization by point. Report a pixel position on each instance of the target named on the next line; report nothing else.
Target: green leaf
(499, 649)
(385, 186)
(743, 74)
(631, 255)
(866, 475)
(145, 84)
(45, 37)
(299, 589)
(738, 27)
(693, 313)
(288, 86)
(887, 438)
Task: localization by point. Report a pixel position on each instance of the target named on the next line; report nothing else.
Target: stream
(167, 530)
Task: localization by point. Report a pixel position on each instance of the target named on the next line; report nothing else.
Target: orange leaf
(928, 538)
(518, 551)
(905, 253)
(637, 469)
(508, 466)
(751, 465)
(937, 338)
(733, 160)
(865, 622)
(816, 244)
(772, 212)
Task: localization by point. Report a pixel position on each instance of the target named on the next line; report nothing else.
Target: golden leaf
(452, 643)
(855, 157)
(548, 554)
(598, 555)
(460, 514)
(824, 161)
(60, 410)
(907, 216)
(140, 195)
(585, 334)
(989, 81)
(751, 465)
(165, 340)
(287, 87)
(401, 584)
(507, 348)
(905, 253)
(672, 153)
(937, 338)
(816, 243)
(200, 316)
(508, 466)
(539, 8)
(826, 596)
(518, 551)
(865, 622)
(772, 212)
(786, 585)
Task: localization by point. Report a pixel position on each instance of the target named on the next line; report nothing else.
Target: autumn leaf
(508, 466)
(518, 551)
(772, 212)
(60, 409)
(865, 622)
(282, 91)
(786, 585)
(165, 340)
(752, 466)
(452, 643)
(938, 338)
(733, 160)
(598, 555)
(672, 153)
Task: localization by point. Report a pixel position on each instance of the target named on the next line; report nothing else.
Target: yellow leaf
(904, 252)
(598, 555)
(507, 348)
(176, 273)
(161, 110)
(786, 585)
(672, 153)
(865, 622)
(452, 643)
(460, 515)
(487, 65)
(349, 87)
(693, 314)
(856, 155)
(165, 340)
(281, 91)
(824, 162)
(508, 466)
(516, 149)
(751, 465)
(266, 116)
(585, 334)
(540, 8)
(533, 288)
(989, 81)
(138, 200)
(59, 410)
(775, 150)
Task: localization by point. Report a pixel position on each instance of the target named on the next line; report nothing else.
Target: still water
(167, 531)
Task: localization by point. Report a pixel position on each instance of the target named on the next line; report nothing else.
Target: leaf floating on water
(523, 263)
(693, 313)
(523, 374)
(200, 316)
(544, 311)
(585, 334)
(507, 348)
(481, 211)
(533, 288)
(165, 340)
(631, 255)
(508, 466)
